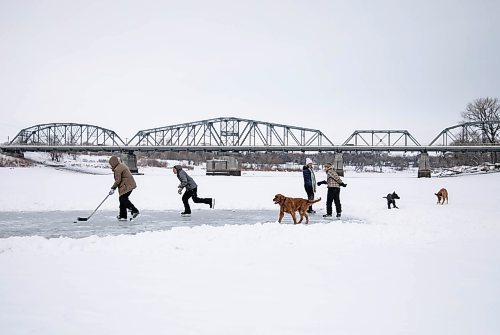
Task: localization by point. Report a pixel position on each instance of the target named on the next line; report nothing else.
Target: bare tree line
(481, 110)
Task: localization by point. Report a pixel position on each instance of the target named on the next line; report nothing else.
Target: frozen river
(53, 224)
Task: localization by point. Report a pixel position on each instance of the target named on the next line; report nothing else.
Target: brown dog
(442, 196)
(291, 205)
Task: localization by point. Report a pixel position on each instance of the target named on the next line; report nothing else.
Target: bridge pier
(130, 160)
(424, 166)
(338, 164)
(16, 153)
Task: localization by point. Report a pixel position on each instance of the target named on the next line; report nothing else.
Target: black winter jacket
(309, 177)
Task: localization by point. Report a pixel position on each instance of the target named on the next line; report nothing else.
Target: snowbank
(422, 269)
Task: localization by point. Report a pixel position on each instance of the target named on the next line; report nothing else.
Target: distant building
(223, 166)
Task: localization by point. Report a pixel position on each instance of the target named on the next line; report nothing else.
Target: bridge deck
(337, 148)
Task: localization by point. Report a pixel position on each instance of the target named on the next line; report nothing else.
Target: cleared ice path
(52, 224)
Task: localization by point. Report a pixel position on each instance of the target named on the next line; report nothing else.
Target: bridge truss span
(229, 132)
(469, 133)
(67, 134)
(385, 138)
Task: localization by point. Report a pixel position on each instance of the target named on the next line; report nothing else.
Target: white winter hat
(308, 160)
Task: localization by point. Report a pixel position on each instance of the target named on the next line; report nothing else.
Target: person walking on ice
(125, 183)
(191, 190)
(334, 182)
(309, 182)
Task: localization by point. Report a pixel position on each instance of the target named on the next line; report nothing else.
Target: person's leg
(336, 199)
(207, 201)
(329, 200)
(185, 198)
(310, 196)
(130, 205)
(124, 204)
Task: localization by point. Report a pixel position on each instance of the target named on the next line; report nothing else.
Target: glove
(343, 185)
(111, 191)
(319, 183)
(179, 190)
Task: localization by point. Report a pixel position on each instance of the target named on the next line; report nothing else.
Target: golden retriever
(291, 205)
(442, 196)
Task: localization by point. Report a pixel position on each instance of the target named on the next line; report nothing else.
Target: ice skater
(125, 183)
(334, 182)
(309, 182)
(191, 190)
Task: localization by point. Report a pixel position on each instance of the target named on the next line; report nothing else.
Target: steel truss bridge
(228, 134)
(67, 134)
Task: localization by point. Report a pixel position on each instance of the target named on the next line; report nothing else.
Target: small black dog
(391, 199)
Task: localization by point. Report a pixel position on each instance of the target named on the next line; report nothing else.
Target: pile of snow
(89, 163)
(380, 169)
(467, 170)
(92, 164)
(422, 269)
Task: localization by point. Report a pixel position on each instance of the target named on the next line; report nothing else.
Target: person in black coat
(309, 181)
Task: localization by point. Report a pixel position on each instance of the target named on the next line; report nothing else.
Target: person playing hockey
(125, 183)
(191, 190)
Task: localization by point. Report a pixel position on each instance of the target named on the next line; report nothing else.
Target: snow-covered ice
(422, 269)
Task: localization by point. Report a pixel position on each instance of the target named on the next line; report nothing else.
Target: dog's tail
(314, 201)
(384, 197)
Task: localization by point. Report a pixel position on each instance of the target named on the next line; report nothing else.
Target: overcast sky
(331, 65)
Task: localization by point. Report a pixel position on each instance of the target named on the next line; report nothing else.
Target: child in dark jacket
(191, 190)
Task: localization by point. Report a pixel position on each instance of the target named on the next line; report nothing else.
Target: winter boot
(134, 215)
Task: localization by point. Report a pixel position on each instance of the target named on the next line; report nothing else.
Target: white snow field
(421, 269)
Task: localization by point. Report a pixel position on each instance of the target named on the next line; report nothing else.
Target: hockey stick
(95, 210)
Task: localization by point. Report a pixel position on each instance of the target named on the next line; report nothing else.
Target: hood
(114, 161)
(178, 168)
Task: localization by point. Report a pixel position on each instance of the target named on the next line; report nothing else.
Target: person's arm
(183, 178)
(336, 177)
(118, 178)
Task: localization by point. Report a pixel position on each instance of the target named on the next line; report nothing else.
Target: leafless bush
(151, 162)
